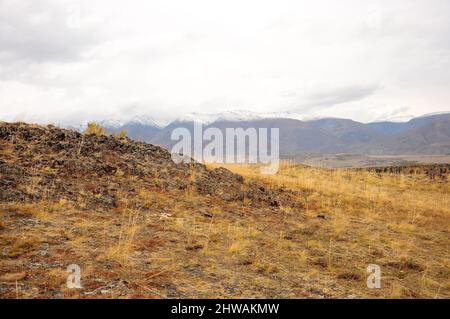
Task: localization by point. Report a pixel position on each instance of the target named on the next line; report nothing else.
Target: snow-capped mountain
(432, 114)
(236, 116)
(300, 135)
(135, 120)
(140, 127)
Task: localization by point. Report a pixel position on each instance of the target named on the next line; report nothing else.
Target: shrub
(94, 128)
(120, 135)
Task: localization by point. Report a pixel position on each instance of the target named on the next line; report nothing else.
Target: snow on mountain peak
(137, 119)
(236, 116)
(144, 120)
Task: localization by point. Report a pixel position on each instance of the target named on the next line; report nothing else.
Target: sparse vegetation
(121, 134)
(95, 129)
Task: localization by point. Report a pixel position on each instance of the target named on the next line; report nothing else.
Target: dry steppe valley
(140, 226)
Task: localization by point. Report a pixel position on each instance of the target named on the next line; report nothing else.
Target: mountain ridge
(428, 134)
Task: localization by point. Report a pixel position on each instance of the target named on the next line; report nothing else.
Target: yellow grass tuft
(94, 129)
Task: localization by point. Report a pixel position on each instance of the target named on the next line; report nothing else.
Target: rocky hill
(67, 164)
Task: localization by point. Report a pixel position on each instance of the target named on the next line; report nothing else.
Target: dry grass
(353, 218)
(95, 129)
(178, 243)
(121, 251)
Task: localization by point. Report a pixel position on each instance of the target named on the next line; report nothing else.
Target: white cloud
(64, 61)
(40, 31)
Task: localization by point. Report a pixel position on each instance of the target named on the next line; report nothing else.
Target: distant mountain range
(427, 135)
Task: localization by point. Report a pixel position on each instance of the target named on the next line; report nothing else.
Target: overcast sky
(69, 61)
